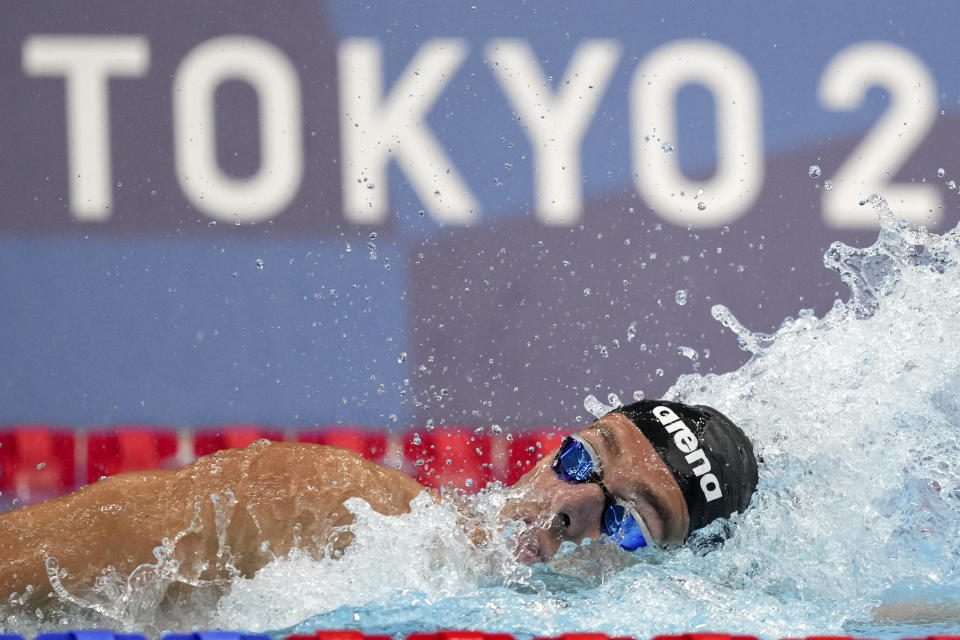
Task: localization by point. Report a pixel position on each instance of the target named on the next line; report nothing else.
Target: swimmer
(645, 476)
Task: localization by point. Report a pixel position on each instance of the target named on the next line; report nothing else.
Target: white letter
(739, 177)
(710, 487)
(704, 465)
(665, 415)
(557, 121)
(892, 140)
(373, 130)
(268, 70)
(685, 440)
(87, 63)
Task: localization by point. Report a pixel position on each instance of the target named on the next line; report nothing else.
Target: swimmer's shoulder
(285, 464)
(286, 456)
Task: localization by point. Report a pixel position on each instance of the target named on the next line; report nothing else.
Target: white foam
(424, 552)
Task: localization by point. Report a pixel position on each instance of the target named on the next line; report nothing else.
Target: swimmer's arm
(110, 522)
(260, 502)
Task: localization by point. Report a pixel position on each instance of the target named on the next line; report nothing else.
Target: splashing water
(422, 561)
(596, 408)
(855, 416)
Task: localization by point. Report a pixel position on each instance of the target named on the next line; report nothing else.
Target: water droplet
(681, 297)
(586, 291)
(614, 400)
(951, 184)
(814, 171)
(416, 438)
(402, 357)
(631, 331)
(393, 417)
(212, 223)
(941, 172)
(688, 353)
(41, 465)
(827, 185)
(496, 428)
(702, 206)
(429, 424)
(659, 373)
(595, 408)
(348, 248)
(638, 395)
(667, 147)
(260, 263)
(468, 482)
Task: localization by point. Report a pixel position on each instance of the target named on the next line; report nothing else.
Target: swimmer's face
(557, 511)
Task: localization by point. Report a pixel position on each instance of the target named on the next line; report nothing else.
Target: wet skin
(292, 494)
(282, 494)
(557, 511)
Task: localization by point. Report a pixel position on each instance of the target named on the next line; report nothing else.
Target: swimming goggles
(577, 462)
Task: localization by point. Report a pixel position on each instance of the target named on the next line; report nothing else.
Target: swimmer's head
(678, 467)
(710, 457)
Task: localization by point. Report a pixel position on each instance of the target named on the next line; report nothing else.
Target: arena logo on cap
(688, 444)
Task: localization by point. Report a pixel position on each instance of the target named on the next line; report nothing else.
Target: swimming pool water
(856, 416)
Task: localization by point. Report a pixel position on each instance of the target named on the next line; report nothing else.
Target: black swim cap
(710, 457)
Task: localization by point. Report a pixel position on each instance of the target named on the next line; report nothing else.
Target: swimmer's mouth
(528, 548)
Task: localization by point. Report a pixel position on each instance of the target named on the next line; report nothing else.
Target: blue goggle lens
(573, 462)
(622, 527)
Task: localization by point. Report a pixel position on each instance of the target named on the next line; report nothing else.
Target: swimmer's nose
(577, 509)
(568, 510)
